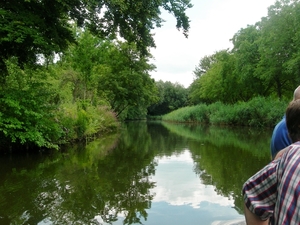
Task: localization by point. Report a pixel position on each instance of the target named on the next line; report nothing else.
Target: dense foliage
(170, 97)
(37, 111)
(264, 61)
(258, 112)
(29, 28)
(27, 107)
(64, 73)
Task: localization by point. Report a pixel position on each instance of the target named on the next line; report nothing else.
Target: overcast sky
(213, 24)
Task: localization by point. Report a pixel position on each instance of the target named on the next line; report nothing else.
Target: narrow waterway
(150, 173)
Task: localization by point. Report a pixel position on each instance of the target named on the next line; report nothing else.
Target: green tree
(171, 97)
(124, 80)
(28, 105)
(204, 65)
(78, 63)
(112, 73)
(277, 47)
(263, 62)
(210, 85)
(246, 44)
(230, 92)
(32, 28)
(293, 64)
(219, 82)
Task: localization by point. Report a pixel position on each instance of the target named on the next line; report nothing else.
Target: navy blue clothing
(280, 138)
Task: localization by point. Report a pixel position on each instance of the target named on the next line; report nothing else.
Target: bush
(84, 122)
(27, 109)
(258, 112)
(220, 113)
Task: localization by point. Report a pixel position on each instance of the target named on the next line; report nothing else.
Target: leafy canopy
(29, 28)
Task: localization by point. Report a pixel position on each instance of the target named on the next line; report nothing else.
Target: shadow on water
(110, 180)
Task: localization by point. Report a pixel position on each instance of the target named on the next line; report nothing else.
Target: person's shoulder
(295, 147)
(291, 148)
(281, 124)
(282, 121)
(281, 152)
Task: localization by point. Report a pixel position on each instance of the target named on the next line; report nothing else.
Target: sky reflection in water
(181, 198)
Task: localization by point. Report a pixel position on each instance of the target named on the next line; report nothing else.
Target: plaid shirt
(275, 190)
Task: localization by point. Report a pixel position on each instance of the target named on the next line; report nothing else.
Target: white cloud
(183, 186)
(213, 24)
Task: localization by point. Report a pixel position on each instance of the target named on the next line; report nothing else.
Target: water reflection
(182, 199)
(183, 187)
(151, 173)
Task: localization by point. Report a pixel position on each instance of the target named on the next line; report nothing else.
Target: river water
(149, 173)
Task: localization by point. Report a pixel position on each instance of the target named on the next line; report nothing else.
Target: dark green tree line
(170, 97)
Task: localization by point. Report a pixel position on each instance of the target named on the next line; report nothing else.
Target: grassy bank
(71, 122)
(259, 112)
(85, 121)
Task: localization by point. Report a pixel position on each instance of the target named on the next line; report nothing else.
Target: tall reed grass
(259, 112)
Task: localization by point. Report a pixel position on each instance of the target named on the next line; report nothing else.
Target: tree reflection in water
(111, 178)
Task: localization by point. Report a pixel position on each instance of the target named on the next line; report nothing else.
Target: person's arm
(252, 219)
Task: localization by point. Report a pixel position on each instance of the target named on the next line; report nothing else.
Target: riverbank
(70, 123)
(259, 112)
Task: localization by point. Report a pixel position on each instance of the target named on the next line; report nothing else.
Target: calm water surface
(150, 173)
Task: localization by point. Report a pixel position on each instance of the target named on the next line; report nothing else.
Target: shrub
(258, 112)
(86, 122)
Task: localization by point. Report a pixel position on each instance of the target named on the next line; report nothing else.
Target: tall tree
(123, 78)
(82, 57)
(219, 82)
(246, 44)
(277, 47)
(204, 65)
(30, 28)
(110, 72)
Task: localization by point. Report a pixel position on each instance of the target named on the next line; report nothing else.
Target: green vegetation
(64, 73)
(264, 61)
(258, 112)
(251, 84)
(30, 28)
(170, 97)
(114, 174)
(37, 111)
